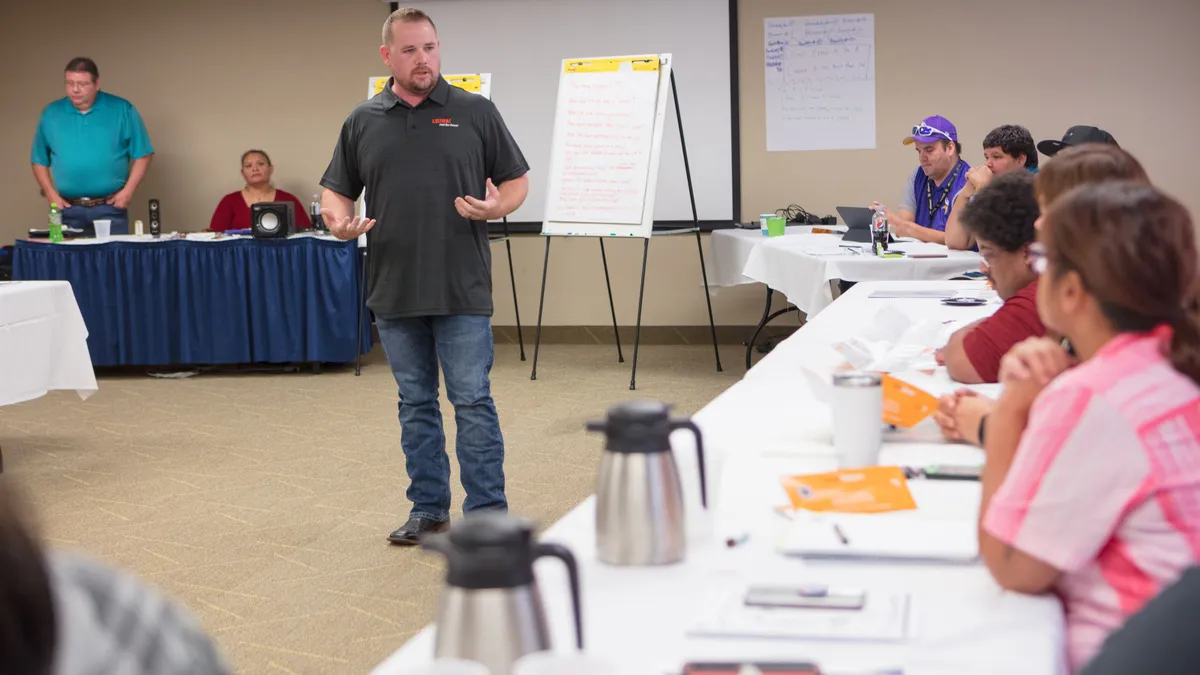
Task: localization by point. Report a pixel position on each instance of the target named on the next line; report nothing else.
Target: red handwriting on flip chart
(604, 142)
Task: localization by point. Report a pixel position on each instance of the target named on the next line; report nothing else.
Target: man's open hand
(474, 209)
(346, 228)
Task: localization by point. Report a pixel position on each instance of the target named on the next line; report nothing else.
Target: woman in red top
(233, 212)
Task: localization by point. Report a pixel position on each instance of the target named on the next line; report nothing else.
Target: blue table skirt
(195, 303)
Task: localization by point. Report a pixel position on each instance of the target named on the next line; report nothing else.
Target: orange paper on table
(905, 405)
(874, 489)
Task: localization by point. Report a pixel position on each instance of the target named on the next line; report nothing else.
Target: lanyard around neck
(945, 193)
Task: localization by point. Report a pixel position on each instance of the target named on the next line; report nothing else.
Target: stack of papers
(883, 537)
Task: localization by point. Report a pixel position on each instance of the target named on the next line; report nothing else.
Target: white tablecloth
(788, 265)
(768, 425)
(43, 341)
(730, 249)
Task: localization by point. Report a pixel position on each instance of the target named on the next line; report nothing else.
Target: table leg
(761, 322)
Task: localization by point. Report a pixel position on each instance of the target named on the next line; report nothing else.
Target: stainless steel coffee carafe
(490, 610)
(639, 499)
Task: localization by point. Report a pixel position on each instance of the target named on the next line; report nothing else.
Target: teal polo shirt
(89, 153)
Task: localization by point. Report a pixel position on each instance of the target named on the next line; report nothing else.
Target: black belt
(87, 202)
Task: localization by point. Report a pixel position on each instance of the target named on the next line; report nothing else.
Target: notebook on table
(883, 537)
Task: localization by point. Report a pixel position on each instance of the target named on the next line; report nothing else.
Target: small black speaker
(155, 218)
(273, 220)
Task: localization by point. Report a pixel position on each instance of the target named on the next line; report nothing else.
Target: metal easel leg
(611, 307)
(512, 275)
(708, 300)
(537, 341)
(687, 170)
(637, 334)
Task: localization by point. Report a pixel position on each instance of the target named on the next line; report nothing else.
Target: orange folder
(905, 405)
(874, 489)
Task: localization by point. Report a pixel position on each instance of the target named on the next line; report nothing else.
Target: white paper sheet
(820, 82)
(604, 139)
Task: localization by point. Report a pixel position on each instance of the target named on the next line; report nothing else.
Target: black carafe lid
(636, 426)
(487, 550)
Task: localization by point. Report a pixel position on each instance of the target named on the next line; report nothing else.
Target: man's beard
(410, 84)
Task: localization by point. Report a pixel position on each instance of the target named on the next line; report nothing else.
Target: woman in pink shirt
(1091, 487)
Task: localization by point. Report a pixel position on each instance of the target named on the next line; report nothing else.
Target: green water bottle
(55, 223)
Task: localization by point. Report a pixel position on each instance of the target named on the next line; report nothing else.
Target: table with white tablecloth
(43, 342)
(805, 266)
(730, 249)
(768, 425)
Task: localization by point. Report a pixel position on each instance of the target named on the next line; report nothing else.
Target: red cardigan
(233, 214)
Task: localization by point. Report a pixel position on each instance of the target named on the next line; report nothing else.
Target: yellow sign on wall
(476, 83)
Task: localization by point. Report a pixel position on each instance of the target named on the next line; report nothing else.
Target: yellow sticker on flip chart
(376, 85)
(471, 83)
(645, 64)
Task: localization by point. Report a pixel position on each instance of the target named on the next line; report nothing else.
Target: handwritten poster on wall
(820, 82)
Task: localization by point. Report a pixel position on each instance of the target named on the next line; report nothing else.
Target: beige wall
(215, 78)
(1128, 66)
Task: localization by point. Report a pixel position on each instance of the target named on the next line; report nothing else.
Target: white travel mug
(857, 418)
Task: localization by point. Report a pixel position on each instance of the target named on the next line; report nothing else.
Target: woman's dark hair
(1135, 251)
(1013, 140)
(82, 64)
(256, 152)
(1087, 163)
(1004, 212)
(27, 623)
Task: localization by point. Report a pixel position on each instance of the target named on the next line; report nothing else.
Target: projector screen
(522, 44)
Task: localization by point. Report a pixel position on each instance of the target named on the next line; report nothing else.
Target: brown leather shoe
(410, 533)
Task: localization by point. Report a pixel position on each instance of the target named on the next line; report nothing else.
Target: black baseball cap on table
(1077, 135)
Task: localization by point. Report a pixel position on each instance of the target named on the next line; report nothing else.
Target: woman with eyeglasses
(1091, 486)
(963, 415)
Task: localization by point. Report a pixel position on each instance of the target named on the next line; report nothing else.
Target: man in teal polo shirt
(90, 151)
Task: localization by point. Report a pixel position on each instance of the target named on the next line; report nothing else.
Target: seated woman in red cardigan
(233, 212)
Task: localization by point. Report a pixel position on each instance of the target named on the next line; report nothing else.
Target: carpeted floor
(262, 501)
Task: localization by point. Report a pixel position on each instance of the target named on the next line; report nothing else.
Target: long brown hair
(1135, 251)
(1087, 163)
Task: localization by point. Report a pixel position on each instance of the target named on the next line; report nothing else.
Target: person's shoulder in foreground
(110, 623)
(1158, 640)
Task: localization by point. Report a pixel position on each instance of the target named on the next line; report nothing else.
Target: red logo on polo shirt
(444, 122)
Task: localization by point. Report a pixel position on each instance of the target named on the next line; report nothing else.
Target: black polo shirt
(423, 258)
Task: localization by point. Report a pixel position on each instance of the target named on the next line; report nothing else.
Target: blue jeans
(81, 217)
(463, 345)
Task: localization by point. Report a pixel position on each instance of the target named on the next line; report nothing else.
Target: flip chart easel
(608, 130)
(476, 83)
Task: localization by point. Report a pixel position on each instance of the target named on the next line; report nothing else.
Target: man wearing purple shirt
(930, 190)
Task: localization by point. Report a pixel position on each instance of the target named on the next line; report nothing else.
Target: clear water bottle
(879, 232)
(56, 231)
(314, 214)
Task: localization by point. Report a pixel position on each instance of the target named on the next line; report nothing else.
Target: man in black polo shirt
(437, 163)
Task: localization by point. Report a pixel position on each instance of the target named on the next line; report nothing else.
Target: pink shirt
(1105, 485)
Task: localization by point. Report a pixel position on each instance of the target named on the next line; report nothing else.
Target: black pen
(837, 529)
